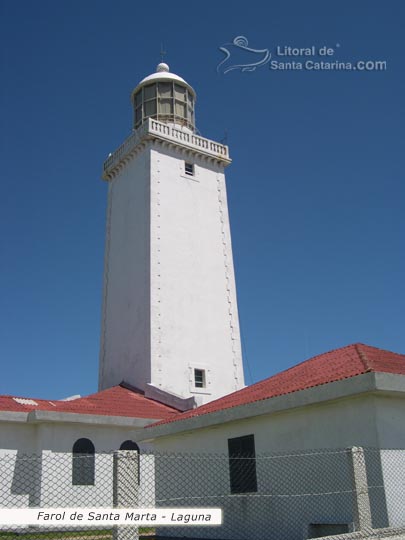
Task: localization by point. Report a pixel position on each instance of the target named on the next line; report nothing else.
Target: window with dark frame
(242, 464)
(83, 463)
(199, 378)
(189, 169)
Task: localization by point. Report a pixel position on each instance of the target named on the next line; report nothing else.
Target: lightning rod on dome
(162, 53)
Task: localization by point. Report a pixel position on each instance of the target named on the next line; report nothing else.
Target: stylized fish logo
(239, 48)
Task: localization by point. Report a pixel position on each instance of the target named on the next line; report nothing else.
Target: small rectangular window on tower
(189, 169)
(199, 378)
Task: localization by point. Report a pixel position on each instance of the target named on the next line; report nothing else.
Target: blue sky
(316, 189)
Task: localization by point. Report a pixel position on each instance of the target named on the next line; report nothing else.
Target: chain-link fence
(289, 496)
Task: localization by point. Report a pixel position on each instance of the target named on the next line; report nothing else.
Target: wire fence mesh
(287, 496)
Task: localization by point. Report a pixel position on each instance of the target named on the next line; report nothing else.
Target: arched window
(83, 463)
(131, 445)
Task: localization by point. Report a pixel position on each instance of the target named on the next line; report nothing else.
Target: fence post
(125, 489)
(362, 509)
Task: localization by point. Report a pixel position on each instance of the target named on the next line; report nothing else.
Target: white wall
(19, 436)
(393, 467)
(57, 488)
(340, 424)
(125, 328)
(60, 437)
(194, 315)
(331, 425)
(169, 288)
(39, 473)
(293, 491)
(390, 421)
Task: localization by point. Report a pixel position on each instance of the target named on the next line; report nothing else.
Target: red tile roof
(116, 401)
(121, 400)
(332, 366)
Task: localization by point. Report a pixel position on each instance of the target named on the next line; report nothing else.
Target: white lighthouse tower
(170, 320)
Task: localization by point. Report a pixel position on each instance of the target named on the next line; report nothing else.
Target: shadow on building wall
(27, 477)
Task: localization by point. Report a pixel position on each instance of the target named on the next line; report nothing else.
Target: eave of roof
(119, 404)
(365, 384)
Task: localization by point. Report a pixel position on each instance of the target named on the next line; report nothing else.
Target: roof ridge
(363, 356)
(363, 351)
(379, 349)
(98, 392)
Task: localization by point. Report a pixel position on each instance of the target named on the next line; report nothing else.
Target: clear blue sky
(316, 188)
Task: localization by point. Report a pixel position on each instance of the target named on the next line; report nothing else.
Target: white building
(291, 431)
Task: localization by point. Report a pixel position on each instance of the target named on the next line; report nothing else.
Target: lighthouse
(170, 324)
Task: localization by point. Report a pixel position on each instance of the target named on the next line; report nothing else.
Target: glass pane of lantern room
(150, 107)
(165, 106)
(179, 92)
(165, 89)
(138, 98)
(180, 109)
(138, 115)
(149, 91)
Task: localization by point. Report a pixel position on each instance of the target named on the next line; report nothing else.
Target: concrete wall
(288, 497)
(349, 422)
(393, 468)
(334, 425)
(194, 317)
(19, 479)
(39, 473)
(57, 488)
(59, 437)
(19, 436)
(125, 328)
(169, 301)
(390, 414)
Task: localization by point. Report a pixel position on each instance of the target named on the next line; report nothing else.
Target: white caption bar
(76, 517)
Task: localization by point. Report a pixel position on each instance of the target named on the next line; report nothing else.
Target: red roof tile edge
(120, 400)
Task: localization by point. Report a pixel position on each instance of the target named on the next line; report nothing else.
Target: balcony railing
(154, 129)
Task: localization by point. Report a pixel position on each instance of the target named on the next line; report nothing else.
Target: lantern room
(165, 97)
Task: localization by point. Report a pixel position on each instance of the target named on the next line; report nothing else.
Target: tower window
(199, 378)
(189, 169)
(242, 464)
(83, 463)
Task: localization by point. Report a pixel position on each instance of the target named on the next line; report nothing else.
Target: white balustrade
(166, 132)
